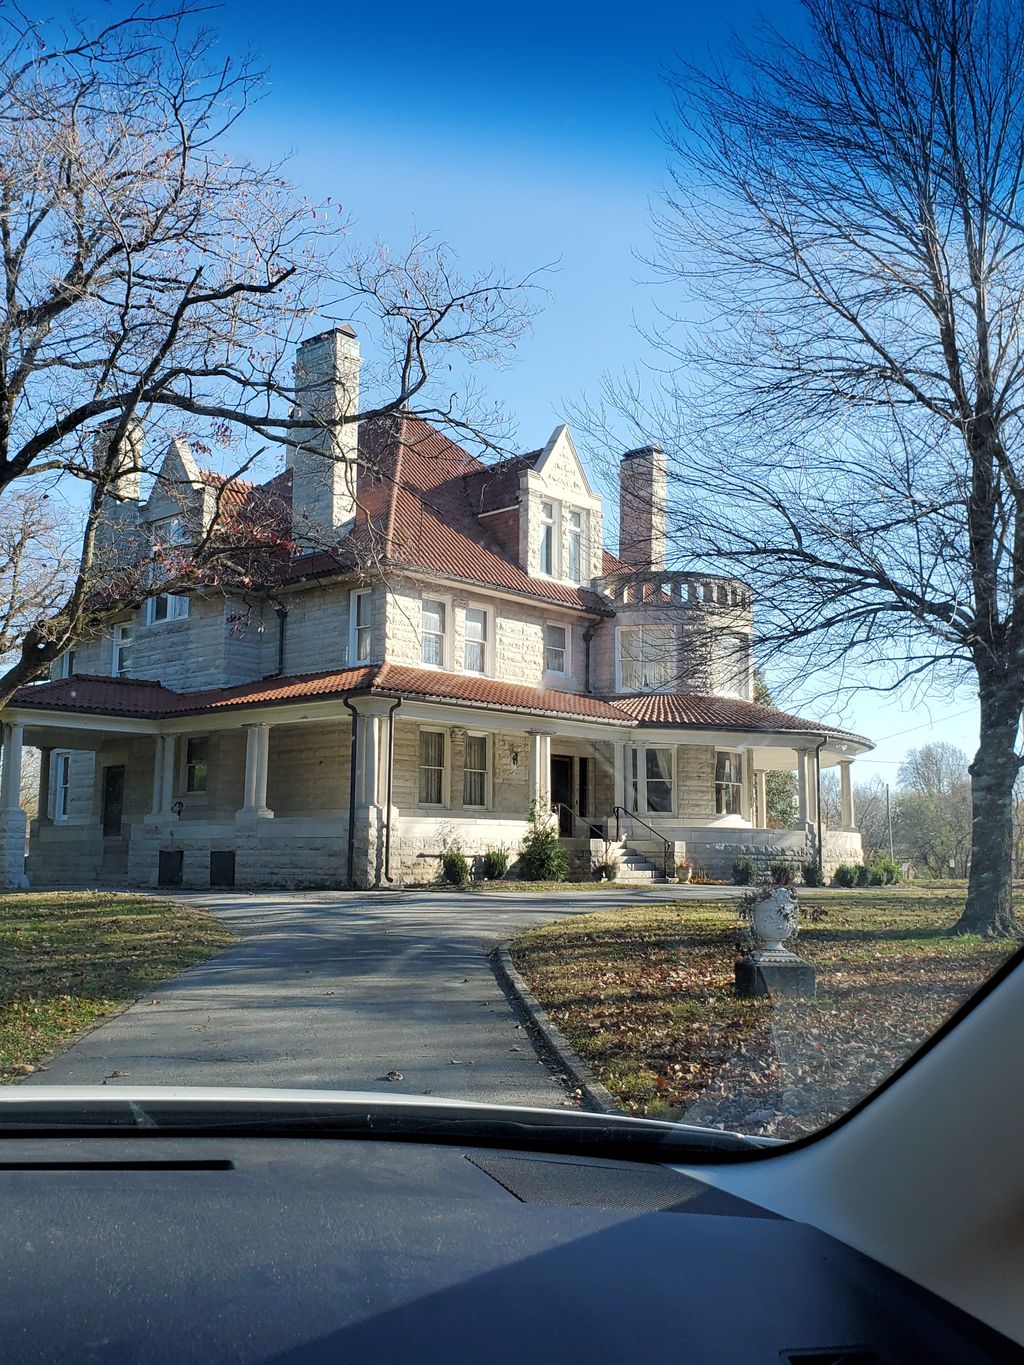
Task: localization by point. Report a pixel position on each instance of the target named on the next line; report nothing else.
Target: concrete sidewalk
(335, 990)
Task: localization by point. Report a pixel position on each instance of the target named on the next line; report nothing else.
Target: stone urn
(774, 919)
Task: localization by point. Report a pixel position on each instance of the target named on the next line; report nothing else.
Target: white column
(10, 782)
(540, 771)
(158, 775)
(371, 727)
(848, 815)
(803, 794)
(761, 780)
(257, 769)
(167, 774)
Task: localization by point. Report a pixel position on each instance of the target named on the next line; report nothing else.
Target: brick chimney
(324, 464)
(643, 489)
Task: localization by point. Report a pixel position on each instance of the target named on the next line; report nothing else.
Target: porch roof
(87, 694)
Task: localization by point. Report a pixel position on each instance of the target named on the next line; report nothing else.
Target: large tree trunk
(989, 910)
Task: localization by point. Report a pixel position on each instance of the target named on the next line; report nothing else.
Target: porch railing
(571, 817)
(670, 852)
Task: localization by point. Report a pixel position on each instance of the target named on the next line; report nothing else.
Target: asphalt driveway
(336, 990)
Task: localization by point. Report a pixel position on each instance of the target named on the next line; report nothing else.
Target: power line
(925, 725)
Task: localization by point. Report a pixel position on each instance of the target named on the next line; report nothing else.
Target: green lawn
(646, 996)
(70, 958)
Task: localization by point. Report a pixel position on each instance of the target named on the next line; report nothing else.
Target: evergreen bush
(744, 870)
(455, 867)
(543, 857)
(495, 864)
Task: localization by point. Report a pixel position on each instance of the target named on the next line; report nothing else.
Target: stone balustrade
(673, 587)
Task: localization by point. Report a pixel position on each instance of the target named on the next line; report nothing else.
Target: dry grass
(70, 958)
(646, 996)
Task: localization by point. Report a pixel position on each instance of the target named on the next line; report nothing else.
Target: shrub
(744, 870)
(885, 872)
(864, 876)
(543, 857)
(845, 875)
(811, 873)
(455, 867)
(782, 873)
(495, 864)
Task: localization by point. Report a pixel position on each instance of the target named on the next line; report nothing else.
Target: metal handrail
(574, 816)
(670, 853)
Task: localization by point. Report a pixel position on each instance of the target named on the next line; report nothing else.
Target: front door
(561, 792)
(113, 801)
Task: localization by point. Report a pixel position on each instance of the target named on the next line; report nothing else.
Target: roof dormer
(559, 515)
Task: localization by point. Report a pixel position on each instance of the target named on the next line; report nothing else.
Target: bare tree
(845, 418)
(151, 279)
(933, 809)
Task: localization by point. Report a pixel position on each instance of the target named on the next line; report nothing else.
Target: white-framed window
(433, 756)
(476, 771)
(556, 649)
(197, 763)
(434, 629)
(122, 649)
(477, 640)
(61, 786)
(652, 779)
(166, 606)
(646, 657)
(574, 547)
(548, 539)
(731, 664)
(728, 782)
(361, 625)
(169, 532)
(64, 665)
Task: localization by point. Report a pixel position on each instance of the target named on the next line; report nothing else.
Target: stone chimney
(126, 467)
(324, 464)
(117, 527)
(643, 489)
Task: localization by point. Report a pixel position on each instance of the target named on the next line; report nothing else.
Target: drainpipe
(390, 789)
(588, 640)
(281, 612)
(352, 790)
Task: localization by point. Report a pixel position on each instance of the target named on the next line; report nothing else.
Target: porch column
(45, 760)
(158, 775)
(802, 787)
(847, 813)
(12, 817)
(167, 774)
(257, 770)
(761, 786)
(540, 770)
(621, 769)
(370, 760)
(10, 782)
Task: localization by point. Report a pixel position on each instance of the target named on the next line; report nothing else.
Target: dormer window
(574, 547)
(547, 538)
(169, 532)
(361, 625)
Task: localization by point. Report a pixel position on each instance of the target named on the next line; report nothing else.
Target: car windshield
(519, 604)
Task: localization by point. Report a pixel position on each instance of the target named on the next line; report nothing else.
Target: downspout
(588, 640)
(352, 790)
(390, 789)
(281, 612)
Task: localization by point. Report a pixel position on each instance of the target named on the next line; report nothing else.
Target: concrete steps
(638, 867)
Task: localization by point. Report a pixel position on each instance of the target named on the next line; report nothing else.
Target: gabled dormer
(560, 515)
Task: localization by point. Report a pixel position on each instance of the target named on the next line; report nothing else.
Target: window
(646, 657)
(474, 771)
(651, 780)
(168, 532)
(197, 754)
(432, 752)
(64, 666)
(547, 538)
(61, 786)
(556, 649)
(361, 625)
(728, 783)
(659, 781)
(168, 606)
(475, 650)
(433, 632)
(731, 667)
(574, 548)
(122, 650)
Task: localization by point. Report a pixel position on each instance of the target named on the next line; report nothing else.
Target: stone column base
(775, 974)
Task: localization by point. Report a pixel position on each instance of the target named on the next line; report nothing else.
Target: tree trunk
(989, 910)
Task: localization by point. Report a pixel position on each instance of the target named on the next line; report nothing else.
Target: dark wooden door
(561, 792)
(113, 801)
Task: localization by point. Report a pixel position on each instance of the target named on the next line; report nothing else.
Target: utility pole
(888, 821)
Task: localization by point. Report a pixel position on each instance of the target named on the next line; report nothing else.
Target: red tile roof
(699, 711)
(91, 695)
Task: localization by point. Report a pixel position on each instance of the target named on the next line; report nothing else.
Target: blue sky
(523, 135)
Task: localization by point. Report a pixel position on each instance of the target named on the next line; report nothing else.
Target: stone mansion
(467, 650)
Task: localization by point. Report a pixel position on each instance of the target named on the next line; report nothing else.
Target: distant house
(467, 651)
